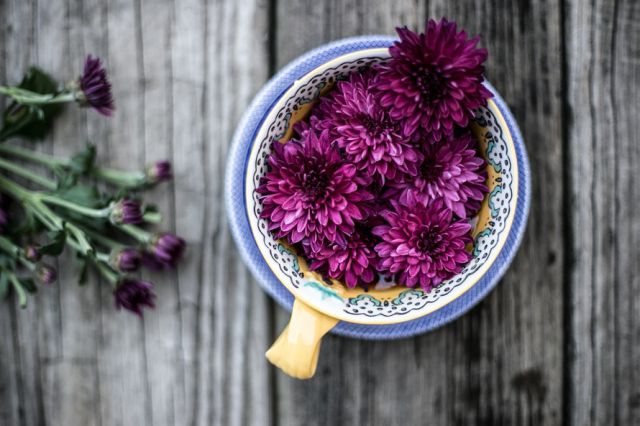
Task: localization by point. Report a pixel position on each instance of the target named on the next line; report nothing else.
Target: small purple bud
(46, 274)
(133, 295)
(126, 260)
(95, 86)
(126, 211)
(160, 171)
(32, 253)
(165, 252)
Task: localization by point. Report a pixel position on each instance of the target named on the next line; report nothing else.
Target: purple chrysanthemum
(422, 245)
(434, 80)
(159, 171)
(32, 253)
(126, 260)
(452, 171)
(127, 211)
(95, 87)
(165, 252)
(365, 131)
(133, 295)
(311, 192)
(355, 262)
(46, 274)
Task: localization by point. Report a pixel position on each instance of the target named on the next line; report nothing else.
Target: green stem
(152, 217)
(22, 295)
(25, 173)
(27, 97)
(120, 178)
(18, 253)
(87, 211)
(44, 213)
(101, 239)
(108, 273)
(137, 233)
(27, 154)
(116, 177)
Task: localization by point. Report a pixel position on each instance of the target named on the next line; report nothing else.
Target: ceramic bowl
(387, 310)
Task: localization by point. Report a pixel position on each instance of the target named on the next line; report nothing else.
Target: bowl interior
(386, 303)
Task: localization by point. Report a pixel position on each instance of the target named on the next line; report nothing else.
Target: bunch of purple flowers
(40, 215)
(385, 176)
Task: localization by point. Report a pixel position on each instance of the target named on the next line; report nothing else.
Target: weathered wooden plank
(603, 76)
(10, 371)
(502, 363)
(24, 327)
(232, 386)
(73, 375)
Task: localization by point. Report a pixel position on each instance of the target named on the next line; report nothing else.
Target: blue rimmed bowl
(388, 311)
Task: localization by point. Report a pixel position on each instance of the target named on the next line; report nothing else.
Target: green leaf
(4, 285)
(32, 122)
(84, 271)
(84, 195)
(29, 224)
(29, 284)
(65, 179)
(55, 246)
(82, 162)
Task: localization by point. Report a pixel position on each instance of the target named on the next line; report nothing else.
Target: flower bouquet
(95, 211)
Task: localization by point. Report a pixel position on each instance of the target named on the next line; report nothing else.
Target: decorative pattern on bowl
(386, 303)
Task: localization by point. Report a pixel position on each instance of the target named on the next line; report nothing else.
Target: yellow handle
(296, 350)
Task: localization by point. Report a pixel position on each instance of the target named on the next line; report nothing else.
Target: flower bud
(126, 211)
(126, 260)
(32, 253)
(165, 252)
(158, 172)
(133, 295)
(46, 274)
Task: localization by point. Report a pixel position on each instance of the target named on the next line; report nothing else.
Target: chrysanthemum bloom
(32, 253)
(159, 171)
(133, 295)
(433, 81)
(95, 89)
(46, 274)
(355, 263)
(311, 192)
(126, 259)
(165, 252)
(452, 171)
(371, 139)
(126, 211)
(422, 245)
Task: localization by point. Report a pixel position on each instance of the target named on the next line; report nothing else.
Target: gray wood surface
(557, 342)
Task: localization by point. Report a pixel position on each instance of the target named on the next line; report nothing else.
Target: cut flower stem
(124, 179)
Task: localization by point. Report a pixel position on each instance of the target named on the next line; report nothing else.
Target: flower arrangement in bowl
(377, 186)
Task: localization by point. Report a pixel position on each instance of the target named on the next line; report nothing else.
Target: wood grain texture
(557, 342)
(603, 75)
(182, 76)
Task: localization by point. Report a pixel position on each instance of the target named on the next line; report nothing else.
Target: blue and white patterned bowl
(388, 311)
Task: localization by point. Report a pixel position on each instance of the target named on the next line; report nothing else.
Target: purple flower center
(430, 83)
(429, 240)
(377, 127)
(315, 183)
(430, 170)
